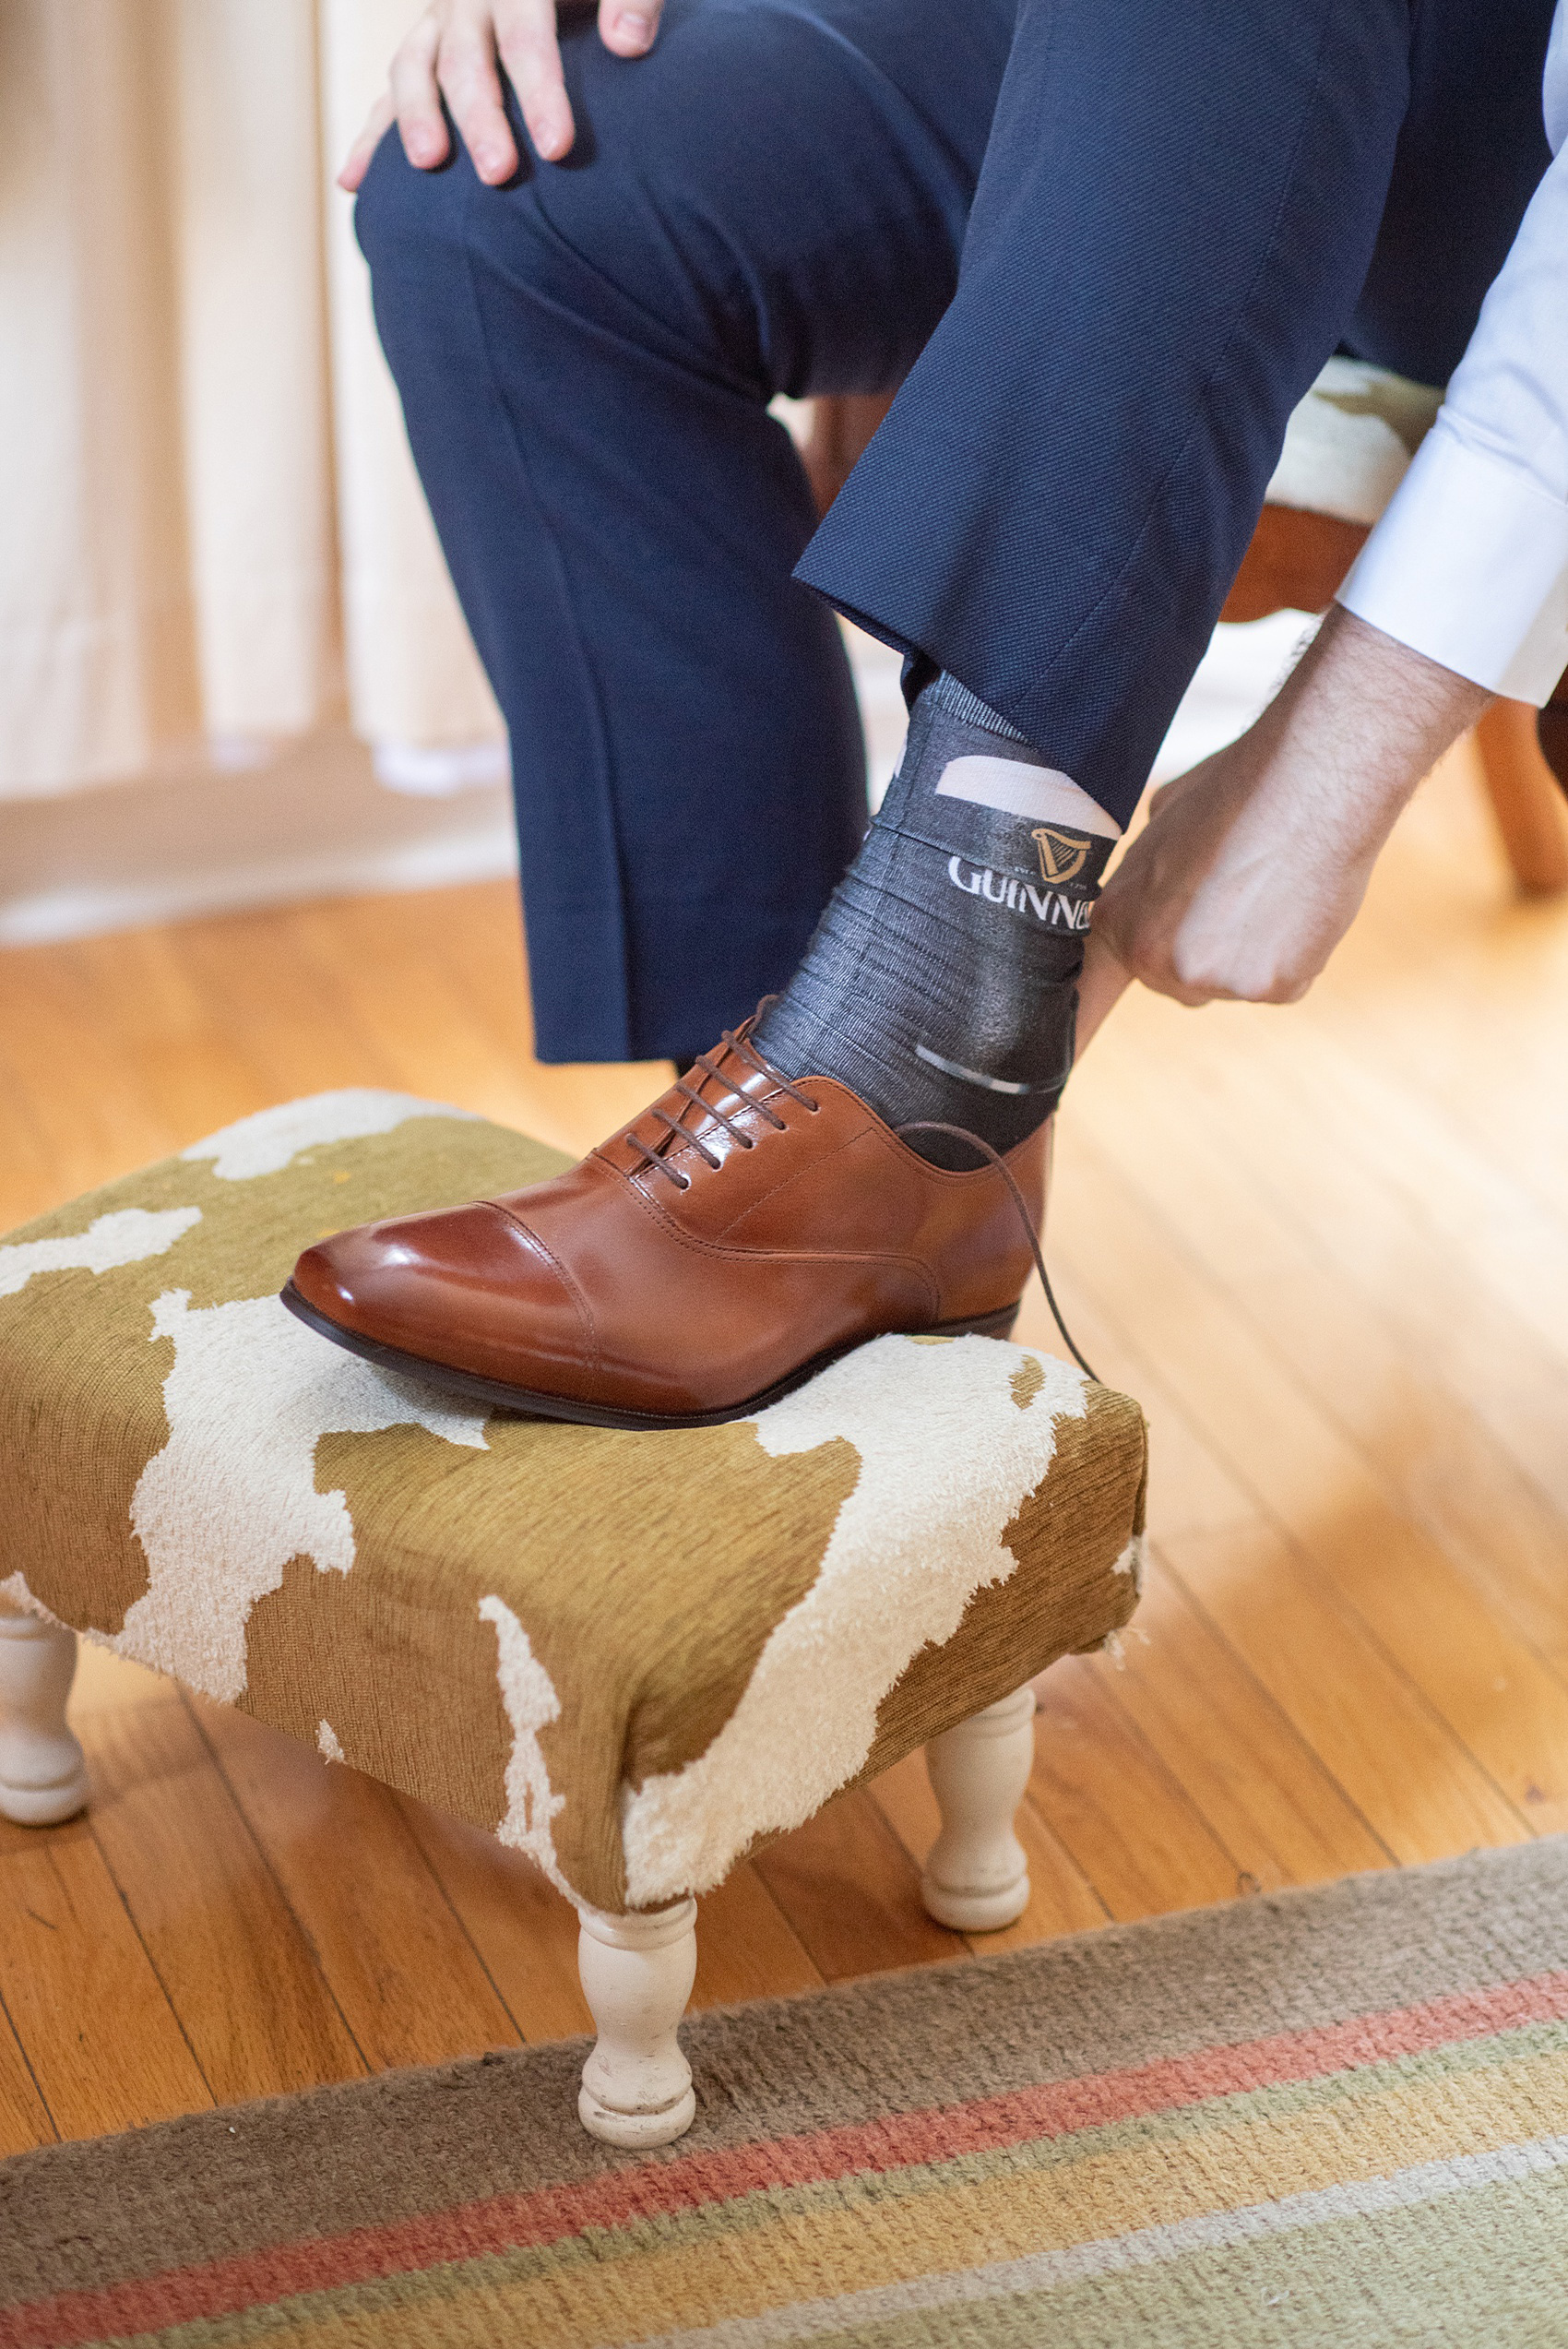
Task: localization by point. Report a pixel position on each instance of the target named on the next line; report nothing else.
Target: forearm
(1252, 868)
(1355, 727)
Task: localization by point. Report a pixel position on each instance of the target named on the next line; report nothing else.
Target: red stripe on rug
(661, 2189)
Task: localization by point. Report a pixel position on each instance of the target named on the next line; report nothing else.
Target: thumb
(357, 161)
(1101, 984)
(628, 28)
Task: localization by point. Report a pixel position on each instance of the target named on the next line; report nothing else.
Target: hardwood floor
(1329, 1249)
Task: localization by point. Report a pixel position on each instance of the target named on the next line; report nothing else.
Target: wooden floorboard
(1317, 1483)
(1136, 1832)
(231, 1957)
(851, 1892)
(25, 2119)
(105, 2047)
(1248, 1770)
(400, 1966)
(1328, 1250)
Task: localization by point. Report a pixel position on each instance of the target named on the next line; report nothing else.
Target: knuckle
(1196, 973)
(531, 57)
(475, 100)
(418, 44)
(413, 82)
(459, 65)
(465, 47)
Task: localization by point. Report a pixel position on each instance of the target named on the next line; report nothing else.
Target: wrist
(1352, 731)
(1371, 705)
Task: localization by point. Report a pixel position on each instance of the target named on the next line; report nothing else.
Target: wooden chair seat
(1346, 450)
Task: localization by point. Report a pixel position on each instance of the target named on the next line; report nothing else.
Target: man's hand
(458, 51)
(1252, 868)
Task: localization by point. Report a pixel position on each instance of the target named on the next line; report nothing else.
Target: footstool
(633, 1656)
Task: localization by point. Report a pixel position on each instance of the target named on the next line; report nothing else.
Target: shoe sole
(526, 1404)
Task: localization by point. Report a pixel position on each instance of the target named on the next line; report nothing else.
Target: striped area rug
(1334, 2118)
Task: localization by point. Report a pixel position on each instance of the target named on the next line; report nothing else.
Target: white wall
(199, 838)
(312, 820)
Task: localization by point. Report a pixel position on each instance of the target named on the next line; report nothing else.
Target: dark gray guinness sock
(941, 979)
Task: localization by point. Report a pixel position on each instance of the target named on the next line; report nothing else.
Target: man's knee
(588, 261)
(407, 219)
(463, 275)
(701, 220)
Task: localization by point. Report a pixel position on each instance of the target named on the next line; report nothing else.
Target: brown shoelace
(962, 1134)
(734, 1040)
(739, 1042)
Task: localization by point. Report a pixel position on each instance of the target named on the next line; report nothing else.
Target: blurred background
(233, 670)
(255, 843)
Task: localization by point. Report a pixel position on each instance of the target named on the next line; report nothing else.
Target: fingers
(1133, 937)
(455, 52)
(524, 34)
(628, 28)
(415, 99)
(357, 161)
(1101, 984)
(1208, 953)
(466, 64)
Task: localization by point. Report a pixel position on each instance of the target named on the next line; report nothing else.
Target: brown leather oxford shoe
(725, 1246)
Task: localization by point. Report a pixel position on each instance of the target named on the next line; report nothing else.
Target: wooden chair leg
(637, 1972)
(43, 1773)
(1526, 797)
(842, 425)
(1551, 733)
(976, 1878)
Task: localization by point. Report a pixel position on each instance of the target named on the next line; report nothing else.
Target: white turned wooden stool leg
(42, 1774)
(977, 1875)
(636, 1973)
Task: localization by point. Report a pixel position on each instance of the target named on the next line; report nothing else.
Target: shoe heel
(985, 1325)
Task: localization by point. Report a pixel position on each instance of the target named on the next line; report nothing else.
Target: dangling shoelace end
(962, 1134)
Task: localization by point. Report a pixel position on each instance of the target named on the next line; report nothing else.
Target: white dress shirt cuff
(1469, 565)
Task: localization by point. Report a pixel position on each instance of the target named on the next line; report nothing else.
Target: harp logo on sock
(1049, 906)
(1061, 858)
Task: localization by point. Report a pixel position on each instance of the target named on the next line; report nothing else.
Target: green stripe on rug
(740, 2225)
(1233, 2125)
(1491, 2268)
(1450, 2252)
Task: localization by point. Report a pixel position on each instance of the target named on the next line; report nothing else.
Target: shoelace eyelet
(735, 1040)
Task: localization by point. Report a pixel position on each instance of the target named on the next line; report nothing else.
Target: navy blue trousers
(1103, 245)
